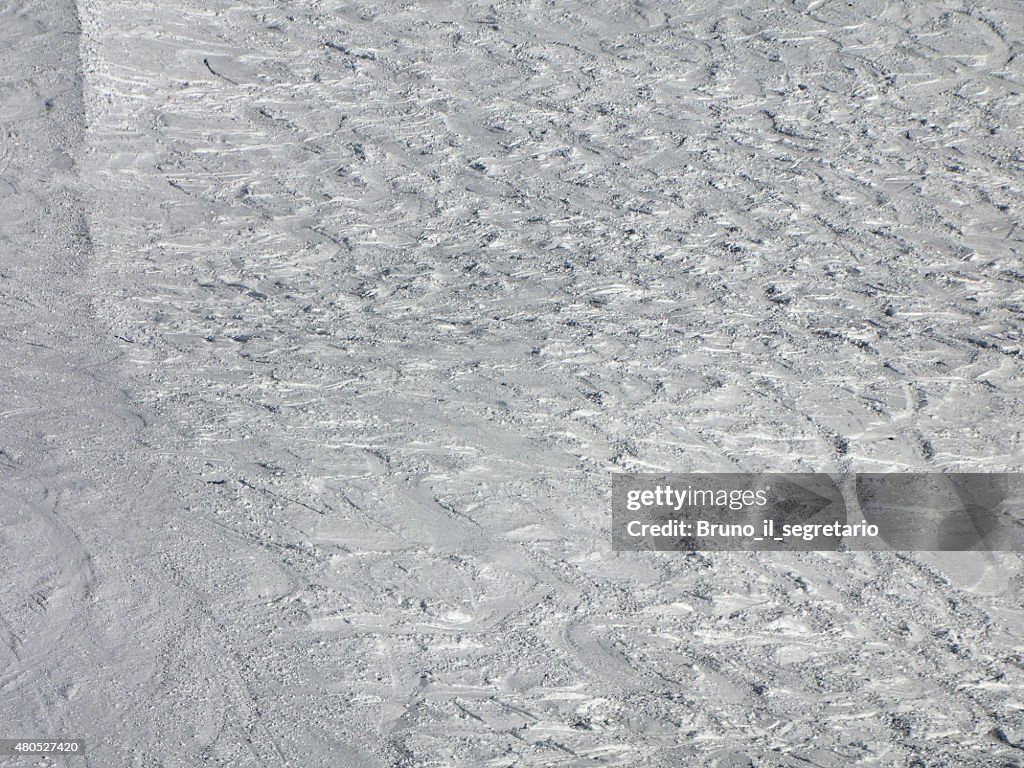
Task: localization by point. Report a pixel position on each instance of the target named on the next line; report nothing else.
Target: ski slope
(325, 326)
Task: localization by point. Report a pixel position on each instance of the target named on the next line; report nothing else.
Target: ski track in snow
(323, 334)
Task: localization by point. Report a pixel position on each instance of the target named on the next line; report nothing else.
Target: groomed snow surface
(323, 325)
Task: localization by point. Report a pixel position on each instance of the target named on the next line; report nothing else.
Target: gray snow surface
(324, 324)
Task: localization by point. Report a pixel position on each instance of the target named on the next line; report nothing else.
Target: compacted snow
(325, 324)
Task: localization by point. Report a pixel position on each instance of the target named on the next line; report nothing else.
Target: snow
(325, 324)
